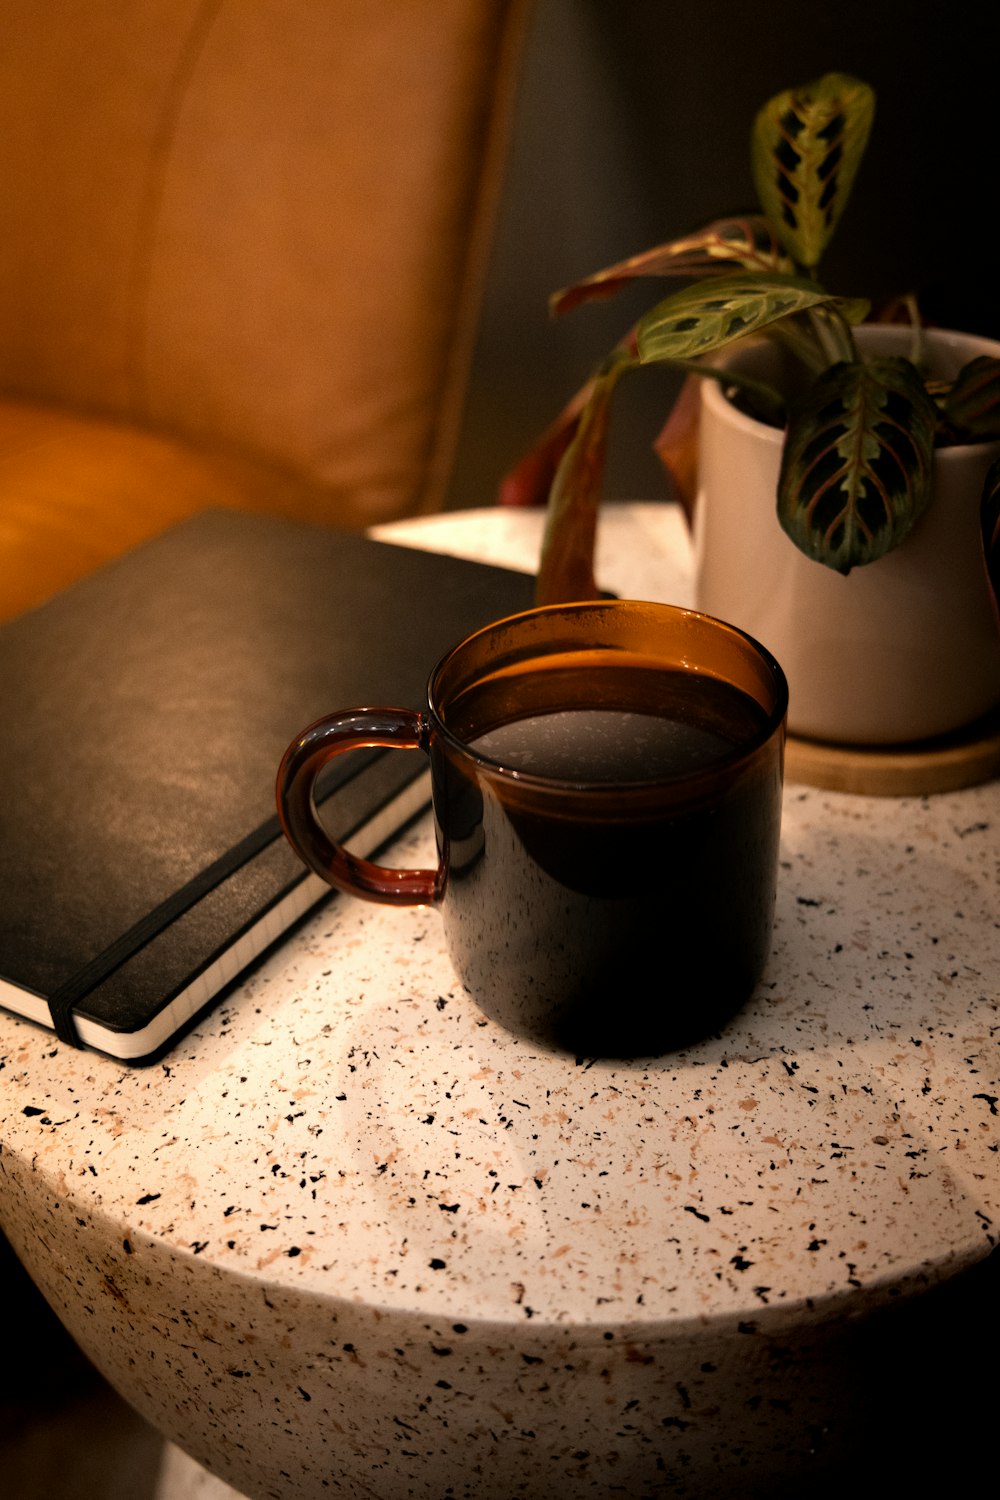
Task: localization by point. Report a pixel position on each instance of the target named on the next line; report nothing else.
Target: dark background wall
(632, 127)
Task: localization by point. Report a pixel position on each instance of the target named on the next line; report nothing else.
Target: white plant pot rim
(905, 648)
(941, 342)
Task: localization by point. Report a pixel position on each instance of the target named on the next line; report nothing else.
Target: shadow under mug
(606, 783)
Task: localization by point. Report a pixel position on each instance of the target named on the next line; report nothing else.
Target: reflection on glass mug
(606, 783)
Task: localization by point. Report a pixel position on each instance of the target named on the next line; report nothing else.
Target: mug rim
(775, 721)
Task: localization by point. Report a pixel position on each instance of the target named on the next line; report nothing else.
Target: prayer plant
(859, 432)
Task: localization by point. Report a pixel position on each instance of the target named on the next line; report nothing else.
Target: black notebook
(145, 711)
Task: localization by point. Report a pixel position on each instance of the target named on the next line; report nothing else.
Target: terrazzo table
(349, 1238)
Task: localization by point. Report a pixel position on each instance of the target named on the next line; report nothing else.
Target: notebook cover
(145, 711)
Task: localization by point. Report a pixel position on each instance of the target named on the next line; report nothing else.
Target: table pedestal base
(182, 1478)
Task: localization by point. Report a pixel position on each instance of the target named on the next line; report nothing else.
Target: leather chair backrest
(255, 224)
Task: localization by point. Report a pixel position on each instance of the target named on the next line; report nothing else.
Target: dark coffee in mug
(606, 787)
(671, 723)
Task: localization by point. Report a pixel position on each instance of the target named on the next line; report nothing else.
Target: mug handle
(349, 729)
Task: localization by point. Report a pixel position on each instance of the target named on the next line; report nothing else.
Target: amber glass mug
(606, 784)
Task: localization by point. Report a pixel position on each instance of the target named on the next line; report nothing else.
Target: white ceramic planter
(903, 649)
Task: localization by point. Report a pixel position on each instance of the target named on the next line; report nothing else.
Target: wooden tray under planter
(966, 758)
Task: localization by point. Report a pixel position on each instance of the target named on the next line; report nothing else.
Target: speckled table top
(347, 1123)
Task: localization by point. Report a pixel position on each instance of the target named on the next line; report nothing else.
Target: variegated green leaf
(713, 251)
(806, 147)
(856, 468)
(990, 520)
(972, 405)
(712, 314)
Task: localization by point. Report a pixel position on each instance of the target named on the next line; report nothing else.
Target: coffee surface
(602, 744)
(620, 725)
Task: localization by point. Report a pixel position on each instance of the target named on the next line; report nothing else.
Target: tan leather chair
(242, 248)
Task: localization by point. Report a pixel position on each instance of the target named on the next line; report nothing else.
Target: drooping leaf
(711, 314)
(713, 251)
(531, 479)
(972, 405)
(529, 482)
(566, 566)
(677, 444)
(856, 468)
(806, 147)
(990, 522)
